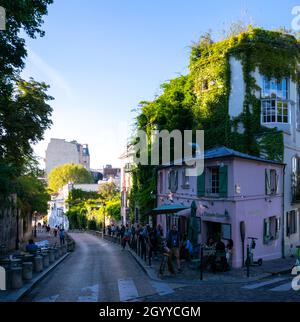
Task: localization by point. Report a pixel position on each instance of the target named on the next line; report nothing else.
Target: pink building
(234, 188)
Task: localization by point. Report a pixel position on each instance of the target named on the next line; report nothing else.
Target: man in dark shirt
(31, 247)
(173, 242)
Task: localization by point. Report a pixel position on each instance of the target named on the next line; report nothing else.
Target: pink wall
(251, 205)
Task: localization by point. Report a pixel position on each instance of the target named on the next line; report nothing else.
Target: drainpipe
(282, 225)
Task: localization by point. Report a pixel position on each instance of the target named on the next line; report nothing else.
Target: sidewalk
(14, 295)
(192, 276)
(238, 275)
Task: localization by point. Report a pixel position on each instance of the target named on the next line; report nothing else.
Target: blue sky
(102, 57)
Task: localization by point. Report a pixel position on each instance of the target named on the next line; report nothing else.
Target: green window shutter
(201, 185)
(223, 180)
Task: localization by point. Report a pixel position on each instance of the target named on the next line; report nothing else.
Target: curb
(18, 294)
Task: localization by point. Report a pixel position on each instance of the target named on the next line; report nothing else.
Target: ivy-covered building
(244, 93)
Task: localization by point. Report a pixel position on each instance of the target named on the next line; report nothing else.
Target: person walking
(62, 236)
(173, 243)
(126, 238)
(55, 231)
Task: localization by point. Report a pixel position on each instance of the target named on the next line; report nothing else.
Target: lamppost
(17, 232)
(35, 218)
(104, 206)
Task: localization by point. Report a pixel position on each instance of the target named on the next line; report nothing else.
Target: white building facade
(60, 152)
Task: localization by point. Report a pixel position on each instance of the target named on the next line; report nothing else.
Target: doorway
(214, 230)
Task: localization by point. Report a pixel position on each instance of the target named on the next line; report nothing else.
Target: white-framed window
(214, 180)
(275, 107)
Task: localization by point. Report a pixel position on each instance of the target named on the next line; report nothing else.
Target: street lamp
(104, 205)
(35, 218)
(17, 232)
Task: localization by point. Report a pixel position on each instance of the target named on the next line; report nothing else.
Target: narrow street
(96, 271)
(99, 271)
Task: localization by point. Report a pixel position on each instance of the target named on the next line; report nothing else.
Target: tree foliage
(61, 175)
(24, 109)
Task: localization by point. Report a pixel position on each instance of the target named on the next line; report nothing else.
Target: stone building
(60, 151)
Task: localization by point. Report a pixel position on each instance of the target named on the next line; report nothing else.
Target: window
(291, 222)
(185, 179)
(173, 180)
(274, 98)
(295, 179)
(271, 181)
(271, 229)
(214, 178)
(226, 231)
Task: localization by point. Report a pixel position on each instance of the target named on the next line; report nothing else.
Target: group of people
(144, 234)
(219, 253)
(58, 230)
(174, 244)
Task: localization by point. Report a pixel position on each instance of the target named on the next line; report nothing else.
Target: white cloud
(36, 65)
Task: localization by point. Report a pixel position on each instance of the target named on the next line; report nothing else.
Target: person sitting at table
(31, 247)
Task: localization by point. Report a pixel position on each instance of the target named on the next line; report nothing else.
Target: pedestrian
(143, 241)
(132, 243)
(229, 250)
(122, 231)
(173, 243)
(48, 229)
(62, 236)
(126, 237)
(31, 247)
(55, 231)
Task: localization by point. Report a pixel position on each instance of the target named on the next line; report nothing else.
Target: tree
(24, 112)
(24, 117)
(66, 173)
(32, 194)
(109, 191)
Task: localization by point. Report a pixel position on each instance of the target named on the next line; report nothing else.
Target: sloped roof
(223, 151)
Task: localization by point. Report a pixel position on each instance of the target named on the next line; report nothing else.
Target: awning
(167, 209)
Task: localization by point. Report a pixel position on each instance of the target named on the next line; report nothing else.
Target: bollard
(59, 251)
(38, 264)
(64, 249)
(45, 260)
(51, 256)
(8, 278)
(27, 271)
(56, 253)
(16, 277)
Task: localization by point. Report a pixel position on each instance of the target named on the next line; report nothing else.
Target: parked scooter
(250, 258)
